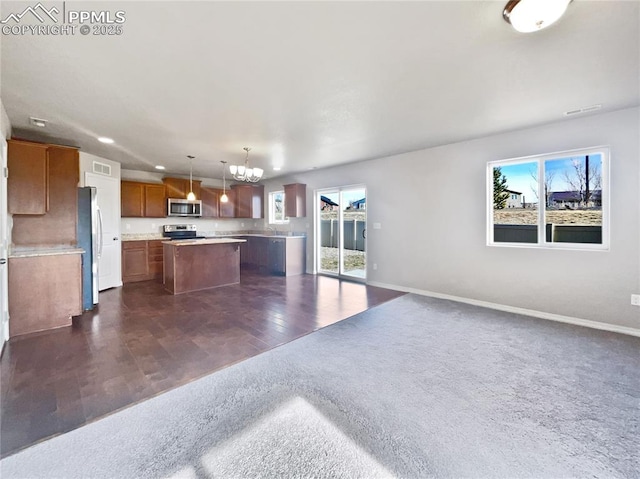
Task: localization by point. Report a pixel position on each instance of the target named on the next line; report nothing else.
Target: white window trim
(542, 240)
(273, 221)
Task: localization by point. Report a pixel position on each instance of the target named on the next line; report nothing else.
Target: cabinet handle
(3, 260)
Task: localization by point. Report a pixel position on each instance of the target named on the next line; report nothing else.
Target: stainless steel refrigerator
(89, 239)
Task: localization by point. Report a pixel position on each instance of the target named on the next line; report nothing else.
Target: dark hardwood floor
(142, 341)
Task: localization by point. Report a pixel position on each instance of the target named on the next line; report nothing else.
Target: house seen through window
(276, 208)
(557, 200)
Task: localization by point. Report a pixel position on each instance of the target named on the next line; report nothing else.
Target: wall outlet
(375, 266)
(241, 225)
(635, 299)
(215, 225)
(153, 226)
(127, 226)
(377, 226)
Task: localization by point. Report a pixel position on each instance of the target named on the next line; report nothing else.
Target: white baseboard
(513, 309)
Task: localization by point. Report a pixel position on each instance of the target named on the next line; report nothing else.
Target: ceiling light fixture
(191, 195)
(104, 139)
(532, 15)
(159, 167)
(243, 172)
(224, 198)
(37, 122)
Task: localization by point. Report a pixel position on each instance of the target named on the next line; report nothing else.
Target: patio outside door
(341, 242)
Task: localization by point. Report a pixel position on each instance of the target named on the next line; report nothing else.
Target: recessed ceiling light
(159, 167)
(104, 139)
(277, 168)
(37, 122)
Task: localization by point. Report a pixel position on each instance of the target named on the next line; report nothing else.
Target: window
(276, 208)
(559, 200)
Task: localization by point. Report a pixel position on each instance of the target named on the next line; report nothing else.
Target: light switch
(377, 226)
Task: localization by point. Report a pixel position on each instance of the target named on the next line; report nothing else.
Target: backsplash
(211, 227)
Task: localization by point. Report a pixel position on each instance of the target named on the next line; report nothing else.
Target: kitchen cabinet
(179, 187)
(249, 201)
(56, 226)
(228, 209)
(141, 260)
(295, 200)
(27, 185)
(210, 202)
(135, 261)
(142, 200)
(45, 291)
(154, 258)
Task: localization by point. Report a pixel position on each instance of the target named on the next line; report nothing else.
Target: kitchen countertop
(266, 235)
(195, 242)
(29, 252)
(142, 236)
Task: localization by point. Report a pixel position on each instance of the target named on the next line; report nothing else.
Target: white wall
(431, 244)
(5, 131)
(86, 165)
(5, 125)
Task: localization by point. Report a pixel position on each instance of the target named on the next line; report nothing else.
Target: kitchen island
(194, 265)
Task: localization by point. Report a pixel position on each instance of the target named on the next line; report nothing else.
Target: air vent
(579, 111)
(101, 168)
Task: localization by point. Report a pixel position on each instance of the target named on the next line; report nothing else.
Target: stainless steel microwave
(180, 207)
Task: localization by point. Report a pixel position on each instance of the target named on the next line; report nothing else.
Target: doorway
(341, 224)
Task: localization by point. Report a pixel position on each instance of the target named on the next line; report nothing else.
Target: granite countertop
(265, 235)
(195, 242)
(29, 252)
(142, 236)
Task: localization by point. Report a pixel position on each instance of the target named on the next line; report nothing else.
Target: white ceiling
(311, 84)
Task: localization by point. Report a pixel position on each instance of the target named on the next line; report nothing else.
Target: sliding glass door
(341, 241)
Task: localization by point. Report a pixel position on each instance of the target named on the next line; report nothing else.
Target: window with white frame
(276, 208)
(558, 200)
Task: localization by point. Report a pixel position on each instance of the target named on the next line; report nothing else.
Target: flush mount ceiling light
(244, 173)
(191, 195)
(224, 198)
(159, 167)
(532, 15)
(104, 139)
(37, 122)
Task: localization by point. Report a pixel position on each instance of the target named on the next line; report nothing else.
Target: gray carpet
(416, 387)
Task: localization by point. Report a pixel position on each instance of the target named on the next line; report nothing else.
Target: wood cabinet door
(155, 258)
(179, 187)
(249, 201)
(210, 202)
(276, 256)
(27, 184)
(131, 199)
(154, 201)
(228, 210)
(135, 262)
(295, 200)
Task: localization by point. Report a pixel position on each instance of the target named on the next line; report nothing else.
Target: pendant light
(533, 15)
(224, 198)
(191, 196)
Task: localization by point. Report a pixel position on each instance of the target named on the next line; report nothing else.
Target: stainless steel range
(178, 232)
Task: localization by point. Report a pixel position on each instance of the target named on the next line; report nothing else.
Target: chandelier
(243, 172)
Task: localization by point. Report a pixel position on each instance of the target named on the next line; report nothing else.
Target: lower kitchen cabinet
(45, 291)
(141, 260)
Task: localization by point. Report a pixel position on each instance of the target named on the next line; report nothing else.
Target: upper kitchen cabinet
(57, 189)
(179, 187)
(295, 200)
(142, 200)
(228, 209)
(28, 182)
(249, 201)
(210, 202)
